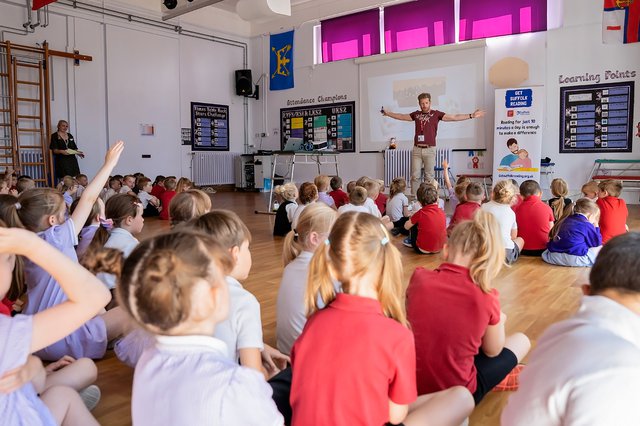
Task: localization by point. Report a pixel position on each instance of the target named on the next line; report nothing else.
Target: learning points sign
(518, 134)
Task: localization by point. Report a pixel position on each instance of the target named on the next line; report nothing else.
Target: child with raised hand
(173, 285)
(613, 210)
(560, 191)
(23, 334)
(575, 239)
(43, 211)
(456, 318)
(427, 225)
(500, 207)
(308, 195)
(398, 206)
(313, 229)
(363, 331)
(284, 215)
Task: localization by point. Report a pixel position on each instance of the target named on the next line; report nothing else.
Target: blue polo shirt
(576, 236)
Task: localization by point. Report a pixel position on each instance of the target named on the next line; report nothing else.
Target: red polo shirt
(613, 217)
(432, 228)
(340, 197)
(348, 362)
(449, 315)
(165, 200)
(463, 211)
(534, 217)
(381, 203)
(427, 126)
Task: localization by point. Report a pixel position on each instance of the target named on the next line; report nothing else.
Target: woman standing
(64, 152)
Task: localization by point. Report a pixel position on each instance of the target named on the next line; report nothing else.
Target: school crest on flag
(281, 63)
(621, 21)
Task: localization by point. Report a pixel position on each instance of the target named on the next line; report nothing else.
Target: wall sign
(596, 118)
(321, 127)
(209, 127)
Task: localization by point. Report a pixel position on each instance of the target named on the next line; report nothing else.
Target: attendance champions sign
(518, 134)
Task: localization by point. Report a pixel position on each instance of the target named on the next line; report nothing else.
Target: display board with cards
(596, 118)
(209, 127)
(328, 127)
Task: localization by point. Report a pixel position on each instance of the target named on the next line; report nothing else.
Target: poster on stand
(517, 141)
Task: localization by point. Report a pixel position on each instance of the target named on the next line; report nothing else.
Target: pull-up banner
(518, 134)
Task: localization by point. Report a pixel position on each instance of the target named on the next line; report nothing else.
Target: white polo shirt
(352, 208)
(243, 327)
(584, 371)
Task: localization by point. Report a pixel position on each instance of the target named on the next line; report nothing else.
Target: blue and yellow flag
(281, 64)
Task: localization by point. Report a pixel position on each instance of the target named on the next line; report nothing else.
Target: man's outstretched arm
(461, 117)
(397, 116)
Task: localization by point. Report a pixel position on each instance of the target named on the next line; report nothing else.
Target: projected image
(452, 89)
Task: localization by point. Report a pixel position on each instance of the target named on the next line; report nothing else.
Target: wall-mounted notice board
(320, 127)
(209, 127)
(596, 118)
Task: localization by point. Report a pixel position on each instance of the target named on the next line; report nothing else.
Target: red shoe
(512, 381)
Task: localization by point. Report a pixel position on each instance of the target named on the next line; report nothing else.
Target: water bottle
(276, 205)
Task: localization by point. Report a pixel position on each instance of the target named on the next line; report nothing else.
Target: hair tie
(295, 235)
(106, 224)
(18, 206)
(384, 241)
(326, 242)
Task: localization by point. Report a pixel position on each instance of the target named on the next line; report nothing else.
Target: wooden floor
(533, 294)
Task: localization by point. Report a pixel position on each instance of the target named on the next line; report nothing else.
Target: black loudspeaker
(244, 84)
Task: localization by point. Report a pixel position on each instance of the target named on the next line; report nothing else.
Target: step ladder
(25, 88)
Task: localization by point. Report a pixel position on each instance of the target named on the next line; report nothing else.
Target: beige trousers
(422, 157)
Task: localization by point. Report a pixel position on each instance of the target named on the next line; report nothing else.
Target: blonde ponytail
(481, 238)
(318, 218)
(319, 282)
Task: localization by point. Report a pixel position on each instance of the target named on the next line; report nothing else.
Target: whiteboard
(455, 80)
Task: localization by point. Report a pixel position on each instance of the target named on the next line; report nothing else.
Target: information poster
(328, 127)
(518, 134)
(596, 118)
(209, 127)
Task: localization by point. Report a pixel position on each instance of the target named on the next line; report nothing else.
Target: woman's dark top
(64, 164)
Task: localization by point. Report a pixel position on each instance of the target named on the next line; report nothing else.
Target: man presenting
(424, 142)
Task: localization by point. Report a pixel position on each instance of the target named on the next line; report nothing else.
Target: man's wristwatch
(470, 116)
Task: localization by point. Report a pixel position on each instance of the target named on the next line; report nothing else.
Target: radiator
(27, 158)
(213, 168)
(397, 163)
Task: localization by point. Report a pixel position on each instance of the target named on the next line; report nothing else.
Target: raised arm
(445, 171)
(462, 117)
(91, 192)
(86, 294)
(395, 115)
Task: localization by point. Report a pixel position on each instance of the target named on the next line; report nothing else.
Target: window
(491, 18)
(419, 24)
(351, 36)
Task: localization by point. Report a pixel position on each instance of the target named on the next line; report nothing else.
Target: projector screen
(455, 80)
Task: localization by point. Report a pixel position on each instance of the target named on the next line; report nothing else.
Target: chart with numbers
(321, 127)
(596, 118)
(209, 127)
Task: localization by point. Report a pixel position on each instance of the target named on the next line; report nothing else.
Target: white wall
(573, 49)
(138, 75)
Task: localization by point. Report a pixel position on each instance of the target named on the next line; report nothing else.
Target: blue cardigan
(576, 236)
